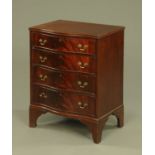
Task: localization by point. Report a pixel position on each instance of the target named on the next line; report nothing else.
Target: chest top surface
(74, 28)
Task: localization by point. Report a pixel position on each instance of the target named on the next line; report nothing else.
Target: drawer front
(64, 80)
(64, 61)
(65, 44)
(65, 101)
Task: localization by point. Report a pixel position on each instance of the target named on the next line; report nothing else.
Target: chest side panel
(110, 73)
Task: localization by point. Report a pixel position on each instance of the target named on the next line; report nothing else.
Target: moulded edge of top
(98, 36)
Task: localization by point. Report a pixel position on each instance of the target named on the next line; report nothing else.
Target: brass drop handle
(42, 42)
(43, 77)
(43, 95)
(82, 65)
(42, 59)
(82, 85)
(82, 105)
(82, 47)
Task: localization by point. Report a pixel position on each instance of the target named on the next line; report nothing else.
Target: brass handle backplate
(43, 95)
(42, 77)
(82, 65)
(82, 84)
(82, 47)
(42, 59)
(82, 105)
(42, 42)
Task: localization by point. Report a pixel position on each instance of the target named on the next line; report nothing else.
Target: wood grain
(65, 44)
(64, 101)
(63, 61)
(59, 79)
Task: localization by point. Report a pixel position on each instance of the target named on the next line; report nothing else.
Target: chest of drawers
(76, 71)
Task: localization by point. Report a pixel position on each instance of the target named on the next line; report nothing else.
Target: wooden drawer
(65, 101)
(72, 62)
(64, 80)
(64, 44)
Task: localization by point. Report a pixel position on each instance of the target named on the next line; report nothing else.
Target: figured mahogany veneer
(61, 61)
(61, 43)
(76, 71)
(64, 101)
(64, 80)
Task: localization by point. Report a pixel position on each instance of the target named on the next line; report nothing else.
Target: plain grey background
(57, 135)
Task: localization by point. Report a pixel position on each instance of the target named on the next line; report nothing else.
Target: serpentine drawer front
(64, 80)
(61, 43)
(71, 62)
(76, 71)
(64, 101)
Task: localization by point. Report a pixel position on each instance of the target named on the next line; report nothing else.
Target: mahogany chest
(76, 71)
